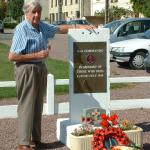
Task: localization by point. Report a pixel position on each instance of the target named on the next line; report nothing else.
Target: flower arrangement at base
(109, 135)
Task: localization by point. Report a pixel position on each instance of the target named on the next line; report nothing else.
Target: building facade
(64, 9)
(68, 9)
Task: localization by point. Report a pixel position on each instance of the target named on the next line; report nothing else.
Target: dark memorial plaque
(90, 72)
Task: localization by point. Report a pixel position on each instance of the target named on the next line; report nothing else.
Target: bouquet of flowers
(109, 135)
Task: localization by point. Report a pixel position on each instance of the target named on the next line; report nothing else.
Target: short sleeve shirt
(28, 39)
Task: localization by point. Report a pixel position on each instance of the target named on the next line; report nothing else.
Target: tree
(14, 9)
(2, 9)
(141, 6)
(115, 13)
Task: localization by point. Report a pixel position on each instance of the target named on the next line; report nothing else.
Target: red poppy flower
(104, 123)
(104, 116)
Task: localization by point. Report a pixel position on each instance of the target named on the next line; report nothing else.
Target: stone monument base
(64, 128)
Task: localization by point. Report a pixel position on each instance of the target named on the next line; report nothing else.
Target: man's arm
(28, 57)
(64, 29)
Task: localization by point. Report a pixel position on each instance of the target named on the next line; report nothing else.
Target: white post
(50, 95)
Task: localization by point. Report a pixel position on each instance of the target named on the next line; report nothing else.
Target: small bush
(10, 25)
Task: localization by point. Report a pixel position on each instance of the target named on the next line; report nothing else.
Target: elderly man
(28, 51)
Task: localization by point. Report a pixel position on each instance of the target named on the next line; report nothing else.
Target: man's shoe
(36, 144)
(24, 147)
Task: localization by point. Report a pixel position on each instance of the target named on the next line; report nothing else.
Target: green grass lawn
(58, 68)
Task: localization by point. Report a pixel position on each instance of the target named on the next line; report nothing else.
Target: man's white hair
(31, 4)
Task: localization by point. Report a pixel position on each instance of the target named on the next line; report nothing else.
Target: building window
(59, 2)
(65, 2)
(76, 1)
(56, 3)
(70, 2)
(77, 14)
(52, 17)
(51, 3)
(65, 15)
(114, 1)
(56, 16)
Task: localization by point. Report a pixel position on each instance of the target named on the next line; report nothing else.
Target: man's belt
(24, 63)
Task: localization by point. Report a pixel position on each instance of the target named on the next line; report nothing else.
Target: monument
(88, 77)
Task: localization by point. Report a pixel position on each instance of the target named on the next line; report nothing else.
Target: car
(128, 28)
(1, 26)
(77, 24)
(59, 22)
(131, 52)
(78, 21)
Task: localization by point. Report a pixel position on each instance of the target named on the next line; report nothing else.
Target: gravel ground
(8, 129)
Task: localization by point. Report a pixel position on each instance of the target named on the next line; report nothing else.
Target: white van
(127, 28)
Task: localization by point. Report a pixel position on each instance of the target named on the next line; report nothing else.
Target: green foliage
(58, 68)
(10, 25)
(7, 92)
(141, 6)
(14, 9)
(118, 85)
(2, 9)
(9, 22)
(6, 68)
(115, 13)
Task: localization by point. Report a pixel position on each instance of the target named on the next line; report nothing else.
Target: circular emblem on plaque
(91, 59)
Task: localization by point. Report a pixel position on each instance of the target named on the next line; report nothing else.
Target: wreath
(108, 136)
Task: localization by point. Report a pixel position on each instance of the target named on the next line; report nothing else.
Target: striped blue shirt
(27, 39)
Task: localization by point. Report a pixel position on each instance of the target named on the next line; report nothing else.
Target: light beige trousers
(30, 85)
